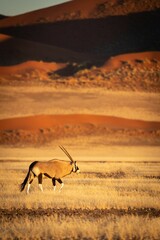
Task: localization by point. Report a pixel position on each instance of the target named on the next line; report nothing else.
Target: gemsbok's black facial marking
(54, 169)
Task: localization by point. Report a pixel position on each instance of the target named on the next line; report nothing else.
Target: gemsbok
(54, 169)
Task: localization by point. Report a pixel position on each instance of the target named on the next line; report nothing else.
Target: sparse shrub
(138, 60)
(101, 8)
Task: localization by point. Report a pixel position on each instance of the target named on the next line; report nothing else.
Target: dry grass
(129, 191)
(126, 227)
(138, 75)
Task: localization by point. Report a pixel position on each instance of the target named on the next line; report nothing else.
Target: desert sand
(49, 121)
(107, 116)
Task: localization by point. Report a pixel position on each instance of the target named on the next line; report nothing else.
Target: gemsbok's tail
(22, 185)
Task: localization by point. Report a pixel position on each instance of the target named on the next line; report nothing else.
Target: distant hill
(96, 27)
(102, 37)
(81, 9)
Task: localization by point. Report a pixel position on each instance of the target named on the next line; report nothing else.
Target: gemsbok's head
(72, 162)
(54, 169)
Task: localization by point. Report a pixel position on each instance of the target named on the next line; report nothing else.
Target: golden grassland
(107, 200)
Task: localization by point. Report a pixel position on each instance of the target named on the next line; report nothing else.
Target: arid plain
(104, 110)
(118, 187)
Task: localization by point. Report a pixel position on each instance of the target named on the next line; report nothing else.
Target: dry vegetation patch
(141, 75)
(107, 200)
(44, 136)
(130, 75)
(111, 227)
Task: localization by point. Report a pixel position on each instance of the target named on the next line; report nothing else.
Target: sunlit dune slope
(131, 72)
(118, 61)
(44, 129)
(49, 121)
(29, 66)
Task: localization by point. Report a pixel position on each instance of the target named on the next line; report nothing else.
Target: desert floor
(118, 187)
(24, 101)
(28, 101)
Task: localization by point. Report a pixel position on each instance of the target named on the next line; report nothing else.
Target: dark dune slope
(103, 37)
(16, 50)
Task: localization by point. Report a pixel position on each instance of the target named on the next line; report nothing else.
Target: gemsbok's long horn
(66, 152)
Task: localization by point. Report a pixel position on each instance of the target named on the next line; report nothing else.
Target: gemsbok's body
(54, 169)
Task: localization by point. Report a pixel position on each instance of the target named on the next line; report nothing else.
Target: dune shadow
(101, 38)
(16, 50)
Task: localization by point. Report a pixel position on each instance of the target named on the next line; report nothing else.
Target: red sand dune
(49, 121)
(51, 14)
(45, 67)
(117, 61)
(80, 9)
(31, 66)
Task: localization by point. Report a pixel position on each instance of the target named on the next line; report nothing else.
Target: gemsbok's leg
(62, 184)
(54, 183)
(31, 177)
(40, 181)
